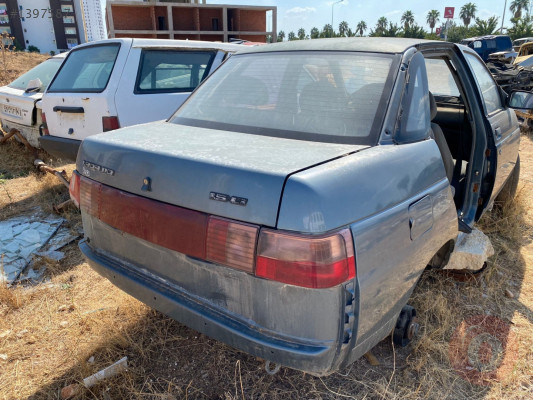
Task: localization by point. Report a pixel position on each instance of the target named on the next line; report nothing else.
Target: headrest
(432, 107)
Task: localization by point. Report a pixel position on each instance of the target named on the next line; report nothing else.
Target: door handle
(72, 110)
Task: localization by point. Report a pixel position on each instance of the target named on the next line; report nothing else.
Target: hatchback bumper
(62, 148)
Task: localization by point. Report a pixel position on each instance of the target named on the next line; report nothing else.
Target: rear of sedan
(185, 214)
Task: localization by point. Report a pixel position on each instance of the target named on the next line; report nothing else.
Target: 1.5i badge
(239, 201)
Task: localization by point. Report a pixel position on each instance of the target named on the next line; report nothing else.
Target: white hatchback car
(114, 83)
(19, 108)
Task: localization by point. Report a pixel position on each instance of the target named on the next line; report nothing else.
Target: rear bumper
(314, 356)
(62, 148)
(31, 133)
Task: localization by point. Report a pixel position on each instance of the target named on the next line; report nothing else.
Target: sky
(296, 14)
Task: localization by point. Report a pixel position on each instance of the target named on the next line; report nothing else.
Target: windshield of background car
(86, 70)
(334, 97)
(45, 71)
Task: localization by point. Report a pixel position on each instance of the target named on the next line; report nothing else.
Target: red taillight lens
(110, 123)
(312, 262)
(45, 130)
(231, 243)
(74, 188)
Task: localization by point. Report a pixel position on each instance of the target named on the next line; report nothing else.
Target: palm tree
(301, 33)
(408, 19)
(361, 27)
(327, 31)
(315, 33)
(281, 36)
(381, 25)
(343, 28)
(432, 18)
(468, 12)
(486, 27)
(517, 6)
(291, 36)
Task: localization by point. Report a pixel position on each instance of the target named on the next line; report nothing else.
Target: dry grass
(15, 63)
(49, 332)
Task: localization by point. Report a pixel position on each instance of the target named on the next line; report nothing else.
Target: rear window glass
(86, 70)
(172, 71)
(44, 71)
(327, 96)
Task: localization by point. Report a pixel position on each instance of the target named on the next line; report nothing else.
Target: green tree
(522, 28)
(301, 33)
(361, 28)
(517, 6)
(408, 19)
(381, 26)
(486, 26)
(414, 31)
(457, 33)
(343, 28)
(292, 36)
(468, 13)
(432, 19)
(281, 36)
(327, 31)
(315, 33)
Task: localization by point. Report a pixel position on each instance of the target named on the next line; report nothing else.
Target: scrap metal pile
(511, 76)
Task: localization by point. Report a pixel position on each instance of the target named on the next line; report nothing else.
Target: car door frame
(503, 133)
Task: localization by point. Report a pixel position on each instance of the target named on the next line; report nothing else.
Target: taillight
(110, 123)
(44, 125)
(307, 261)
(74, 188)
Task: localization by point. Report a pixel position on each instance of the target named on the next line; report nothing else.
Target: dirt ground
(58, 332)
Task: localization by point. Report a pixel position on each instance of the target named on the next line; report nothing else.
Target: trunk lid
(196, 168)
(18, 106)
(83, 90)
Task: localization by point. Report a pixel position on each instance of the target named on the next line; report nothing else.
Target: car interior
(450, 123)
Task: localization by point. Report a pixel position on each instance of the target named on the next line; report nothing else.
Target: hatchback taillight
(110, 123)
(44, 125)
(74, 188)
(303, 260)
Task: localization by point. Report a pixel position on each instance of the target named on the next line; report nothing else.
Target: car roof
(486, 37)
(364, 44)
(168, 43)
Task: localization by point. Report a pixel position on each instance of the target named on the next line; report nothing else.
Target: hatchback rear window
(172, 71)
(86, 70)
(44, 71)
(334, 97)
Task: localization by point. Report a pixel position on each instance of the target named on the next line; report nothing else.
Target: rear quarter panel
(373, 192)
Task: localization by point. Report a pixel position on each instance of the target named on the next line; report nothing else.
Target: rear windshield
(335, 97)
(86, 70)
(172, 71)
(44, 71)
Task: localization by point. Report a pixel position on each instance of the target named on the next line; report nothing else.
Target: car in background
(290, 205)
(19, 108)
(519, 42)
(115, 83)
(486, 45)
(525, 52)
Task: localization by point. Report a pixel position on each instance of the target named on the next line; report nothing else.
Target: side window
(163, 71)
(489, 89)
(440, 79)
(415, 122)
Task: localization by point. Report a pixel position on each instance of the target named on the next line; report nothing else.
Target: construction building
(190, 20)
